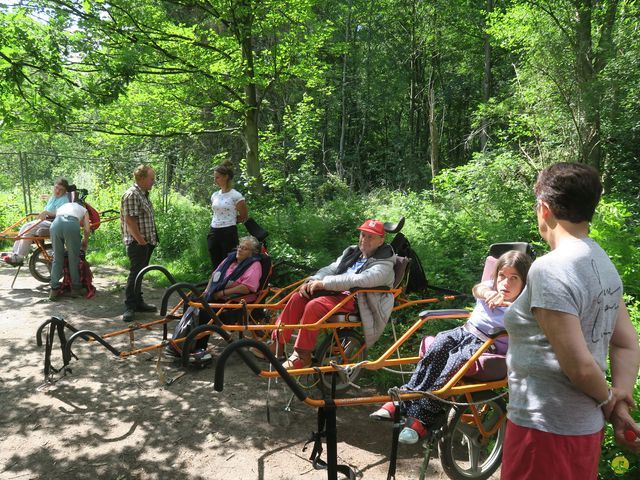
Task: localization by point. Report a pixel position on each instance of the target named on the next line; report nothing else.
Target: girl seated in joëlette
(453, 348)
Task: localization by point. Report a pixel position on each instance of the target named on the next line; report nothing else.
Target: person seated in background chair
(237, 276)
(40, 226)
(368, 264)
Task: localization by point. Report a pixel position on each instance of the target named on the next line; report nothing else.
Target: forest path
(112, 418)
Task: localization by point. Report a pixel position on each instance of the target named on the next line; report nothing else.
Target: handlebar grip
(241, 344)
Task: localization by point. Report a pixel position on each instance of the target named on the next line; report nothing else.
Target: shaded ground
(113, 418)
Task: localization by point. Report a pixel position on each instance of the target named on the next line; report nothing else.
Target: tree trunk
(340, 169)
(251, 138)
(487, 80)
(433, 128)
(589, 134)
(250, 132)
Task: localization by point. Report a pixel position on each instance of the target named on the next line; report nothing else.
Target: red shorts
(530, 454)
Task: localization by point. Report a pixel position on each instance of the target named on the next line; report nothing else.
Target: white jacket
(377, 271)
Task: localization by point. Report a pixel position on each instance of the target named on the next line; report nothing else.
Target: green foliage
(610, 449)
(486, 201)
(615, 229)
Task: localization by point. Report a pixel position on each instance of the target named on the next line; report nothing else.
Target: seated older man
(366, 265)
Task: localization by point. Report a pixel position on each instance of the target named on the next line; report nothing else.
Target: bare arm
(86, 227)
(235, 289)
(243, 214)
(567, 341)
(489, 295)
(132, 226)
(46, 214)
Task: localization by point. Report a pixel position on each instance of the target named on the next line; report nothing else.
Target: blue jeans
(65, 231)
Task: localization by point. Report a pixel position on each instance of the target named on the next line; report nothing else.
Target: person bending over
(368, 264)
(65, 232)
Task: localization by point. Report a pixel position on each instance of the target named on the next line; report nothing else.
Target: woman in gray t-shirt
(568, 320)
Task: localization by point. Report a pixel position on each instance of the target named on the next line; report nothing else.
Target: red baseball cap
(375, 227)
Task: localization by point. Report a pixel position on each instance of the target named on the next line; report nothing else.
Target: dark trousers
(228, 317)
(139, 256)
(220, 241)
(450, 350)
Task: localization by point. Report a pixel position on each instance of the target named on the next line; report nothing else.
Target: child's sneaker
(412, 432)
(386, 412)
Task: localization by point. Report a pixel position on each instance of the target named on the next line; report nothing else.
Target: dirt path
(113, 419)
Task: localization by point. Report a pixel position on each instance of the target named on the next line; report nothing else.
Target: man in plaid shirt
(139, 234)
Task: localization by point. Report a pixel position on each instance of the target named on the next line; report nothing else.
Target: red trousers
(303, 310)
(530, 454)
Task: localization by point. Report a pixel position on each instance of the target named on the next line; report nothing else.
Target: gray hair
(253, 241)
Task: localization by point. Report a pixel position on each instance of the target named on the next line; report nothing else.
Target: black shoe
(145, 307)
(128, 315)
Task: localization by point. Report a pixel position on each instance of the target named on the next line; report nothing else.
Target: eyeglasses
(244, 247)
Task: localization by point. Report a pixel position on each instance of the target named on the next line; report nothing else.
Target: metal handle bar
(111, 210)
(394, 227)
(138, 285)
(57, 321)
(176, 287)
(240, 344)
(85, 335)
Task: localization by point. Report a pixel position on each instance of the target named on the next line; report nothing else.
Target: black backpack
(417, 280)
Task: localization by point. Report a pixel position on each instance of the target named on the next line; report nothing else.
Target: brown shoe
(299, 359)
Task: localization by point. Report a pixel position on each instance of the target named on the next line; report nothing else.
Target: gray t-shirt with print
(577, 278)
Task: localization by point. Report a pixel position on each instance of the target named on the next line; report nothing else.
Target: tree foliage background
(332, 110)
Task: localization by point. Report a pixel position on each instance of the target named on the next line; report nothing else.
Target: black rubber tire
(351, 349)
(39, 266)
(464, 454)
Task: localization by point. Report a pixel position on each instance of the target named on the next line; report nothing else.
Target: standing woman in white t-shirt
(229, 209)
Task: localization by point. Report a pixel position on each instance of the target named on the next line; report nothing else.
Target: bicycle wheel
(343, 346)
(40, 264)
(465, 453)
